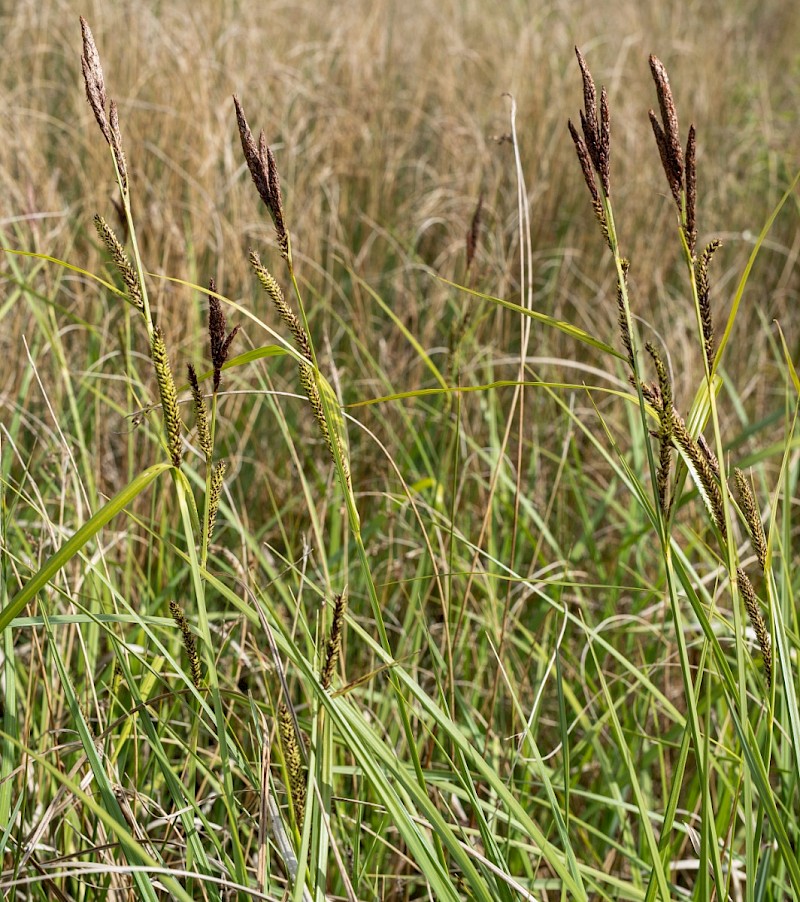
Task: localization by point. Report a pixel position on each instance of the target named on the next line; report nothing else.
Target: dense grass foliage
(374, 525)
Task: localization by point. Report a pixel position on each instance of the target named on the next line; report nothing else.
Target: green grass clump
(458, 602)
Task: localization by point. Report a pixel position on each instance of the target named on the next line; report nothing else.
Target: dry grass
(382, 119)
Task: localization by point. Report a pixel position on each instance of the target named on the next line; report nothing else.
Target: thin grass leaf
(567, 328)
(85, 534)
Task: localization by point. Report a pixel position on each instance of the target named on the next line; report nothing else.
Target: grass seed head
(707, 471)
(669, 144)
(289, 317)
(121, 261)
(116, 144)
(594, 146)
(622, 319)
(188, 641)
(294, 763)
(756, 621)
(702, 283)
(217, 481)
(752, 517)
(200, 414)
(681, 172)
(169, 395)
(595, 127)
(93, 79)
(709, 455)
(255, 164)
(666, 419)
(264, 172)
(691, 190)
(334, 643)
(219, 338)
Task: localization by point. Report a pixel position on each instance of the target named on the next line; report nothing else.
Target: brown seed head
(691, 190)
(585, 160)
(622, 319)
(116, 144)
(264, 172)
(255, 163)
(667, 138)
(589, 93)
(274, 183)
(666, 419)
(93, 79)
(595, 127)
(666, 103)
(604, 143)
(588, 176)
(220, 341)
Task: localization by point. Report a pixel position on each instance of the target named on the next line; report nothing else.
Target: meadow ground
(482, 615)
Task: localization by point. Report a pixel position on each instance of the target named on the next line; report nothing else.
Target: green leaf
(566, 328)
(85, 534)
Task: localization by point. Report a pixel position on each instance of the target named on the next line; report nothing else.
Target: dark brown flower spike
(252, 155)
(274, 187)
(220, 341)
(586, 165)
(594, 146)
(681, 177)
(264, 172)
(691, 189)
(596, 128)
(667, 132)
